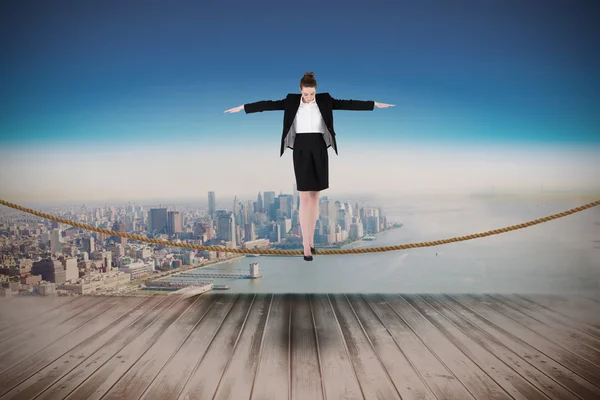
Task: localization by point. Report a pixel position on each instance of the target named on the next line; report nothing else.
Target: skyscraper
(174, 222)
(55, 241)
(269, 201)
(226, 229)
(249, 232)
(269, 198)
(88, 244)
(211, 204)
(236, 206)
(259, 203)
(286, 205)
(158, 220)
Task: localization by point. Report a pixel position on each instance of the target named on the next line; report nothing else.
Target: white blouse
(308, 118)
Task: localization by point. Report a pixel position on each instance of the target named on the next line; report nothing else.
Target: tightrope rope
(300, 252)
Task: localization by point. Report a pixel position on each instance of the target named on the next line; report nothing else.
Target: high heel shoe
(307, 258)
(312, 250)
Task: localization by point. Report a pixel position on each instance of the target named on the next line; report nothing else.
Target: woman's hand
(235, 109)
(383, 105)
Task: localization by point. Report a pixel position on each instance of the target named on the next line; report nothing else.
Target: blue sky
(112, 100)
(90, 72)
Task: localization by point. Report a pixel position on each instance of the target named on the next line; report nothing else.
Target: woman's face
(308, 94)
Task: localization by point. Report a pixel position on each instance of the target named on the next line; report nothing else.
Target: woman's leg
(314, 205)
(305, 215)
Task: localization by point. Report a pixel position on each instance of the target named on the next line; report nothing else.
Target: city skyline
(43, 256)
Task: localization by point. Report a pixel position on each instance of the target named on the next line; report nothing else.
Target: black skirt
(311, 162)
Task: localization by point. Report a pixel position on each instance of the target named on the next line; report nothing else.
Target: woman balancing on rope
(308, 131)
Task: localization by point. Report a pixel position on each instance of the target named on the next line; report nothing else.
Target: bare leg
(305, 215)
(314, 198)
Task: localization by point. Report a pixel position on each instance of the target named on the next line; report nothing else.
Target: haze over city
(179, 172)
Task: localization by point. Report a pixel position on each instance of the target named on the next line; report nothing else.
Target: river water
(560, 256)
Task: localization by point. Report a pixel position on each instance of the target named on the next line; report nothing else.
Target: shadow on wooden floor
(312, 346)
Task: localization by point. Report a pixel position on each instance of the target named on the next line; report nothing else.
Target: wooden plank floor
(301, 346)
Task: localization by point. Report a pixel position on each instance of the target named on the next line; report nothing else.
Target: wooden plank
(438, 377)
(568, 362)
(373, 377)
(31, 308)
(24, 305)
(494, 360)
(272, 375)
(75, 377)
(5, 302)
(22, 330)
(339, 377)
(173, 377)
(595, 297)
(37, 339)
(410, 346)
(406, 378)
(568, 327)
(536, 367)
(471, 376)
(103, 379)
(136, 380)
(305, 365)
(30, 377)
(236, 382)
(509, 338)
(584, 317)
(552, 333)
(204, 380)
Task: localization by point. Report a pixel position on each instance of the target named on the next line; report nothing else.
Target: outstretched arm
(357, 105)
(265, 105)
(353, 105)
(259, 106)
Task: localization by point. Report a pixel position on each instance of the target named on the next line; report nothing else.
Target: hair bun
(308, 80)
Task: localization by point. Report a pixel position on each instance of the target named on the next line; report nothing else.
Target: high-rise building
(286, 205)
(129, 221)
(249, 212)
(88, 244)
(158, 220)
(130, 209)
(70, 267)
(275, 233)
(249, 232)
(236, 206)
(55, 242)
(356, 230)
(210, 229)
(174, 222)
(326, 208)
(226, 227)
(119, 226)
(259, 204)
(50, 270)
(285, 225)
(212, 204)
(269, 198)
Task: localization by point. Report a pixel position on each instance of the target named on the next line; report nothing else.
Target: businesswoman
(308, 131)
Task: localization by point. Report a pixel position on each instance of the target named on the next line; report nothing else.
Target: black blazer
(291, 104)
